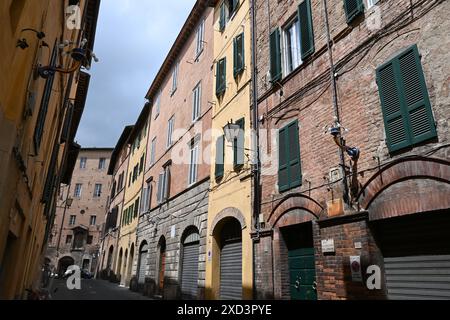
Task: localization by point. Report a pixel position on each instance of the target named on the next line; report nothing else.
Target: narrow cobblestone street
(94, 290)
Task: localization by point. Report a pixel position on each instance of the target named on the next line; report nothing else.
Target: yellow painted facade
(24, 218)
(132, 198)
(231, 196)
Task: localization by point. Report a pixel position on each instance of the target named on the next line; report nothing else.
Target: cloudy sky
(133, 39)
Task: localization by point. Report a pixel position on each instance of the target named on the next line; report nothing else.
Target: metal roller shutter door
(418, 277)
(142, 264)
(231, 271)
(416, 254)
(189, 276)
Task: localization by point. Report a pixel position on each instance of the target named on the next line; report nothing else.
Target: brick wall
(358, 50)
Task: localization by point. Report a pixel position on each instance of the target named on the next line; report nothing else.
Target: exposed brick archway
(296, 201)
(423, 183)
(226, 213)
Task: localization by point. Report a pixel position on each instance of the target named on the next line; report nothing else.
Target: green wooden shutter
(42, 115)
(275, 56)
(353, 8)
(220, 157)
(238, 145)
(306, 29)
(221, 76)
(405, 103)
(136, 208)
(238, 54)
(222, 17)
(50, 180)
(416, 98)
(295, 171)
(289, 166)
(283, 163)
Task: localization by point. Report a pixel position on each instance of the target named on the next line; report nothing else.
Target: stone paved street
(94, 290)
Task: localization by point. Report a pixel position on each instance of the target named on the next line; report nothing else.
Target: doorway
(299, 242)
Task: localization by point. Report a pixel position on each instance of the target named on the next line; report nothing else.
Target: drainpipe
(334, 93)
(256, 164)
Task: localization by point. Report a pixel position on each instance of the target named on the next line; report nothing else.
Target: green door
(302, 272)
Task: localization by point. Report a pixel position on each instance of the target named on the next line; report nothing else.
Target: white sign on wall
(328, 246)
(172, 232)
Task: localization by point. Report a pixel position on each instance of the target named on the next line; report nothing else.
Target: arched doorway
(64, 263)
(124, 269)
(230, 244)
(161, 264)
(110, 258)
(189, 263)
(119, 263)
(142, 263)
(130, 265)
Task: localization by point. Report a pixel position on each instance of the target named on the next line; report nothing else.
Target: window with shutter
(238, 54)
(222, 19)
(221, 77)
(275, 56)
(238, 145)
(51, 178)
(289, 167)
(166, 192)
(353, 8)
(306, 29)
(220, 157)
(40, 123)
(405, 102)
(136, 208)
(160, 188)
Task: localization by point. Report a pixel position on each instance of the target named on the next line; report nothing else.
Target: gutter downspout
(255, 124)
(334, 93)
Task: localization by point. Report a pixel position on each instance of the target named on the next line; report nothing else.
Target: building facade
(80, 212)
(132, 197)
(39, 117)
(118, 170)
(353, 98)
(229, 267)
(171, 238)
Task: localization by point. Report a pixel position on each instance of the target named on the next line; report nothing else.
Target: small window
(170, 127)
(196, 104)
(69, 239)
(227, 10)
(153, 151)
(93, 220)
(136, 208)
(289, 166)
(292, 54)
(238, 52)
(102, 163)
(98, 191)
(141, 164)
(72, 220)
(90, 239)
(164, 185)
(200, 38)
(221, 77)
(83, 162)
(175, 78)
(193, 163)
(157, 105)
(77, 192)
(146, 198)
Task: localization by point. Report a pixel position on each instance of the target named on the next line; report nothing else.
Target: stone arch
(402, 177)
(311, 208)
(228, 213)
